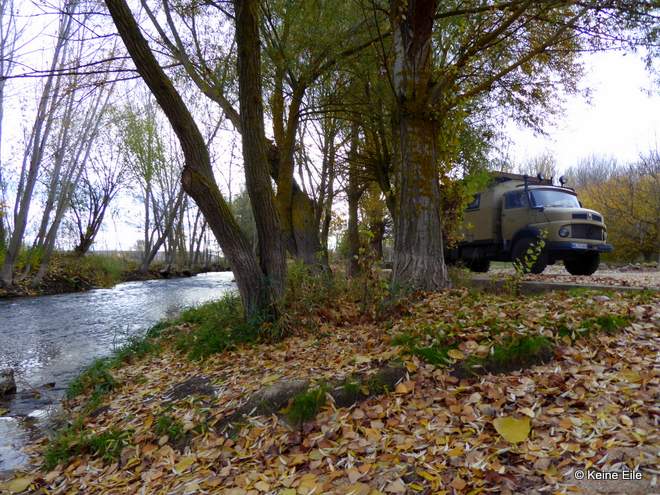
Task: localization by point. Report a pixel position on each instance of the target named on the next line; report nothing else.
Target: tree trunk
(272, 252)
(353, 195)
(197, 177)
(418, 247)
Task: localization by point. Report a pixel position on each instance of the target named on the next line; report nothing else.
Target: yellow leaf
(268, 379)
(513, 430)
(402, 388)
(18, 485)
(527, 412)
(455, 354)
(288, 491)
(184, 464)
(359, 359)
(630, 376)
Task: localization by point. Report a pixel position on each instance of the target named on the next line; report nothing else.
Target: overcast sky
(621, 120)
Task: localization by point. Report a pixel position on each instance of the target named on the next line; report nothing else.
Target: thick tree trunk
(197, 177)
(272, 252)
(418, 250)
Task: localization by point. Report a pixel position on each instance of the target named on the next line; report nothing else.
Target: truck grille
(585, 216)
(587, 231)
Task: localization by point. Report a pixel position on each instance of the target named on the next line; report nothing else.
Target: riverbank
(495, 392)
(69, 273)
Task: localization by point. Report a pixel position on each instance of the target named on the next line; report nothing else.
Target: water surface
(47, 340)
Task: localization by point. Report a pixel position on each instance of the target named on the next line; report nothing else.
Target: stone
(7, 382)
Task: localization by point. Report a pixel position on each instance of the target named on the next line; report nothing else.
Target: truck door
(515, 214)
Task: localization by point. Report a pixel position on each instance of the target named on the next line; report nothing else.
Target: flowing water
(47, 340)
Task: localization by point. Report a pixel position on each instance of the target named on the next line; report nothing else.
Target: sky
(621, 119)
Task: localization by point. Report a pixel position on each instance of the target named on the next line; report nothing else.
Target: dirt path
(608, 277)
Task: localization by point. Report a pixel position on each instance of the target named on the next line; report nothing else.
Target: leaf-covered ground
(594, 406)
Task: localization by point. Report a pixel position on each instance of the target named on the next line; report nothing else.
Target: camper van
(506, 219)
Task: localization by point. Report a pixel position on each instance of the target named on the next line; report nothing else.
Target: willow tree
(295, 55)
(513, 57)
(260, 285)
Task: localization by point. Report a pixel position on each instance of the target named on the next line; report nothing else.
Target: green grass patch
(168, 425)
(606, 323)
(75, 441)
(435, 353)
(512, 354)
(306, 405)
(219, 326)
(95, 378)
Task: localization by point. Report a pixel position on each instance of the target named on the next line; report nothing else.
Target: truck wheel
(479, 265)
(520, 250)
(585, 264)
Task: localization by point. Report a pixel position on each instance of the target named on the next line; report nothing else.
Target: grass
(436, 353)
(513, 354)
(219, 326)
(168, 425)
(75, 441)
(306, 405)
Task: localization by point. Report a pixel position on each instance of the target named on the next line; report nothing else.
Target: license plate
(579, 245)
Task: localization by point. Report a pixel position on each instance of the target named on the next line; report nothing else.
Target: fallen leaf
(18, 485)
(513, 430)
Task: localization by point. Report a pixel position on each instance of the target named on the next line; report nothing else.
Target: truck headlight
(564, 232)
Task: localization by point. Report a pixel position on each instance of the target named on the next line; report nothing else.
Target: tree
(493, 57)
(629, 198)
(197, 176)
(155, 168)
(103, 177)
(36, 145)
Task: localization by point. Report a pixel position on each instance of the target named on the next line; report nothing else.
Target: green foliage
(607, 323)
(435, 353)
(351, 388)
(95, 378)
(513, 353)
(168, 425)
(219, 325)
(74, 441)
(525, 264)
(519, 350)
(135, 348)
(306, 405)
(109, 444)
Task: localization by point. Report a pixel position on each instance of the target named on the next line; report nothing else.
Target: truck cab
(505, 220)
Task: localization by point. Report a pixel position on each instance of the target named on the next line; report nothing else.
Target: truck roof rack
(500, 177)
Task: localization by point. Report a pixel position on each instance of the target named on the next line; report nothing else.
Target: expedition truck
(505, 220)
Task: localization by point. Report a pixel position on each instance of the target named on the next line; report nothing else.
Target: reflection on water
(50, 338)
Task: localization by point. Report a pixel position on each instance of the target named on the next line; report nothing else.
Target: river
(47, 340)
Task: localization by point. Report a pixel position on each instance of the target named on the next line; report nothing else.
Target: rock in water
(7, 382)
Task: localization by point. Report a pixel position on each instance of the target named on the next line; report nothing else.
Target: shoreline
(62, 285)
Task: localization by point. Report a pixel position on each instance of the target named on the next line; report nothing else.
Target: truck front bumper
(579, 247)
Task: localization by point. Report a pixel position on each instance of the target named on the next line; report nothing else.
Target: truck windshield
(554, 198)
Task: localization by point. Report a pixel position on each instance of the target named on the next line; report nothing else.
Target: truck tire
(479, 265)
(585, 264)
(520, 249)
